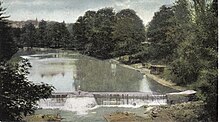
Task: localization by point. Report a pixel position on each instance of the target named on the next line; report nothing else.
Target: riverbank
(146, 71)
(183, 112)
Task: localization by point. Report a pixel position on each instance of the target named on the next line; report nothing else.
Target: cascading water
(80, 105)
(144, 85)
(133, 99)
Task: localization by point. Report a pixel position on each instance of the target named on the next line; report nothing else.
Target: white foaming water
(26, 57)
(137, 102)
(144, 85)
(80, 105)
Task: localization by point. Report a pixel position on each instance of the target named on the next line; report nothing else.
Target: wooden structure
(156, 69)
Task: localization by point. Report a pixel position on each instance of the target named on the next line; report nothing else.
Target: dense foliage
(52, 34)
(188, 41)
(93, 33)
(105, 34)
(128, 33)
(161, 46)
(7, 45)
(18, 96)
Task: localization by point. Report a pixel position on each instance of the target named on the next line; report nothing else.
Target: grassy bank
(146, 72)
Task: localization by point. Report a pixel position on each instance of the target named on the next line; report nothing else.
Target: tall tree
(101, 33)
(207, 35)
(82, 31)
(41, 33)
(18, 96)
(65, 35)
(16, 35)
(186, 65)
(28, 35)
(7, 45)
(128, 32)
(93, 33)
(161, 47)
(57, 35)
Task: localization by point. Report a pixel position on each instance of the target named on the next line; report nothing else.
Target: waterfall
(144, 85)
(80, 105)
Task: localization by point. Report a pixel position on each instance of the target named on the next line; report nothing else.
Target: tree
(28, 35)
(101, 34)
(161, 47)
(185, 65)
(207, 35)
(57, 35)
(18, 96)
(79, 34)
(93, 33)
(195, 59)
(65, 35)
(128, 33)
(16, 35)
(41, 33)
(82, 31)
(7, 45)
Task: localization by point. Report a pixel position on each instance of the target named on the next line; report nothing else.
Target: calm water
(68, 71)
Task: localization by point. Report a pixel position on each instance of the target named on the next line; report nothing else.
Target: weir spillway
(113, 98)
(81, 101)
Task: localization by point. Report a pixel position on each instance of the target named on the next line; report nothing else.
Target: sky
(70, 10)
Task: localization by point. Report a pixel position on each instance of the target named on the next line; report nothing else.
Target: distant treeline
(102, 34)
(47, 34)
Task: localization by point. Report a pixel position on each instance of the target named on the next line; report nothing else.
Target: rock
(145, 106)
(126, 113)
(154, 113)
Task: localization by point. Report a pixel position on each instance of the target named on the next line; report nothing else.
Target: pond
(69, 71)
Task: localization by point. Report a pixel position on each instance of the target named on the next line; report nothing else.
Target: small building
(156, 69)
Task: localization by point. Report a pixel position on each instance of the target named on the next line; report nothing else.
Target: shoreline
(141, 69)
(146, 72)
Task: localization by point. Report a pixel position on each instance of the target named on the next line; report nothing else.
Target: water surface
(69, 71)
